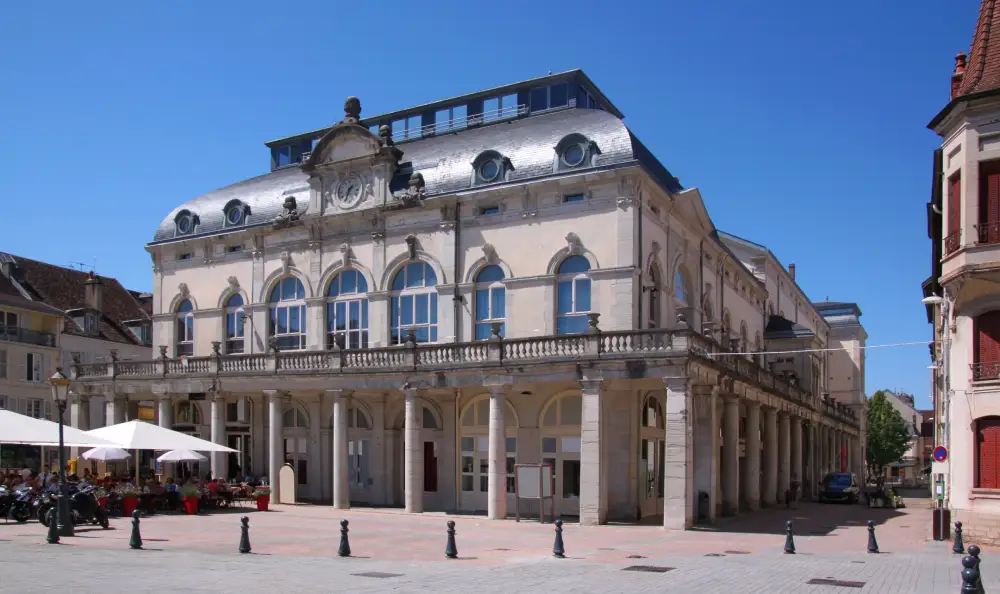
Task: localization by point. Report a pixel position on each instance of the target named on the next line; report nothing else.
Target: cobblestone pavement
(295, 551)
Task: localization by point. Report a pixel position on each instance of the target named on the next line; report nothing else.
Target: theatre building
(409, 304)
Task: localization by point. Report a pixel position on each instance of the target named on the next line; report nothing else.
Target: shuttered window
(988, 337)
(955, 204)
(988, 453)
(989, 202)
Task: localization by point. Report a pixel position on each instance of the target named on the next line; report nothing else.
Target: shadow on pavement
(810, 519)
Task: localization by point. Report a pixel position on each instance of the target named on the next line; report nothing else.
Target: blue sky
(802, 124)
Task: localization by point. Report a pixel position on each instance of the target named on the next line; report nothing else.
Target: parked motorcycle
(83, 508)
(43, 502)
(16, 504)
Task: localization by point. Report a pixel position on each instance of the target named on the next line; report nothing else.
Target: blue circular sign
(940, 454)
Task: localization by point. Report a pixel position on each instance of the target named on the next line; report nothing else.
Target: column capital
(796, 420)
(273, 395)
(340, 393)
(783, 414)
(676, 384)
(498, 383)
(730, 399)
(592, 385)
(752, 404)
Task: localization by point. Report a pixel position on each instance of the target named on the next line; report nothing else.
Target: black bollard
(53, 536)
(959, 545)
(135, 541)
(450, 550)
(969, 575)
(872, 544)
(245, 535)
(789, 541)
(974, 553)
(345, 547)
(557, 547)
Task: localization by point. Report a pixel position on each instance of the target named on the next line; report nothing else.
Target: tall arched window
(347, 311)
(653, 297)
(235, 320)
(288, 314)
(414, 303)
(680, 287)
(185, 329)
(573, 295)
(490, 297)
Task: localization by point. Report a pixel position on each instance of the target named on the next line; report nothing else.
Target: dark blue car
(839, 486)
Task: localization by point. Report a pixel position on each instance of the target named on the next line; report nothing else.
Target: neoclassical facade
(408, 305)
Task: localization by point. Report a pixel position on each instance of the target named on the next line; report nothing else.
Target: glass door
(563, 453)
(239, 461)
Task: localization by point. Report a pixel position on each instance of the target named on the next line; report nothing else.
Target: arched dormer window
(235, 320)
(185, 222)
(575, 151)
(490, 301)
(653, 297)
(347, 311)
(236, 213)
(287, 324)
(490, 167)
(572, 295)
(414, 303)
(185, 329)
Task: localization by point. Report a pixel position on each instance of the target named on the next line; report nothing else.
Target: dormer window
(574, 151)
(185, 222)
(236, 213)
(490, 167)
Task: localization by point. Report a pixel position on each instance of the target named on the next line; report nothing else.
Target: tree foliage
(889, 436)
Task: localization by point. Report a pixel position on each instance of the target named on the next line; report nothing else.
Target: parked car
(839, 486)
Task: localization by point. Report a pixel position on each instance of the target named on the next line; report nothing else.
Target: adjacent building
(409, 305)
(962, 298)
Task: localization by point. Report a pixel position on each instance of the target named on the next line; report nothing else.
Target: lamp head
(932, 300)
(60, 386)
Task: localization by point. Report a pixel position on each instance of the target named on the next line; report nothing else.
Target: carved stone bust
(352, 110)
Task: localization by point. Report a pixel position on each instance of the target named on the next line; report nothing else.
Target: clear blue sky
(803, 124)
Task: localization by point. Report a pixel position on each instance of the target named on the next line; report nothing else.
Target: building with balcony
(963, 218)
(408, 305)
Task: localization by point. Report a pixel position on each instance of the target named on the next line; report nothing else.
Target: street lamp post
(945, 370)
(60, 393)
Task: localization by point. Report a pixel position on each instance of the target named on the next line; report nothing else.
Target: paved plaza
(294, 550)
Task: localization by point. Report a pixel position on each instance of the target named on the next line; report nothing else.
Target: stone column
(220, 460)
(275, 442)
(678, 467)
(496, 503)
(809, 446)
(831, 452)
(751, 463)
(730, 455)
(797, 474)
(114, 410)
(413, 455)
(79, 417)
(341, 458)
(784, 454)
(593, 490)
(164, 418)
(770, 456)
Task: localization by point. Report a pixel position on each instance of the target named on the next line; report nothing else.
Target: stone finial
(592, 319)
(495, 332)
(682, 321)
(163, 351)
(113, 354)
(385, 135)
(216, 346)
(352, 109)
(415, 188)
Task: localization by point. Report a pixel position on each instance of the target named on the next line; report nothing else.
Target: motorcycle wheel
(20, 514)
(48, 517)
(103, 519)
(42, 512)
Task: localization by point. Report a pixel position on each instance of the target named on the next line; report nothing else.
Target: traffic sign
(940, 454)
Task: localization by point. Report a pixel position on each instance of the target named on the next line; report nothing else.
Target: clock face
(349, 191)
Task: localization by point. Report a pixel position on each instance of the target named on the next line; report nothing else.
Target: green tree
(889, 436)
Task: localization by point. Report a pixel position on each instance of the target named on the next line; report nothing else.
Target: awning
(140, 435)
(22, 429)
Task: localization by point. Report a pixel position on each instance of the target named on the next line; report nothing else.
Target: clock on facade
(349, 192)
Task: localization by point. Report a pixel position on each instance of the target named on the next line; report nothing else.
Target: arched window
(414, 303)
(573, 295)
(744, 338)
(356, 418)
(185, 329)
(235, 320)
(653, 297)
(347, 311)
(490, 298)
(561, 444)
(681, 287)
(988, 453)
(652, 414)
(652, 449)
(294, 418)
(288, 314)
(187, 413)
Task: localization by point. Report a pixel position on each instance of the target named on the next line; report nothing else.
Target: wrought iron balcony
(952, 242)
(989, 232)
(985, 371)
(15, 334)
(493, 354)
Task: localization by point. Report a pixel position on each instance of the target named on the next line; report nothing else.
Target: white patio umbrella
(140, 435)
(181, 456)
(21, 429)
(106, 454)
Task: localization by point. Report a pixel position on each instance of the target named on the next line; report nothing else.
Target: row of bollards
(972, 579)
(790, 539)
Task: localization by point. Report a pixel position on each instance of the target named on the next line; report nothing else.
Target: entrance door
(358, 455)
(239, 461)
(651, 454)
(563, 453)
(296, 455)
(475, 473)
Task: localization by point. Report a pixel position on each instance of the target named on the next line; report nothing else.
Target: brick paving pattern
(295, 550)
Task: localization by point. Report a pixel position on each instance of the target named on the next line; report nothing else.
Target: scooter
(16, 504)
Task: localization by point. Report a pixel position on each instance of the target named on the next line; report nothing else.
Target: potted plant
(102, 497)
(130, 499)
(190, 494)
(263, 496)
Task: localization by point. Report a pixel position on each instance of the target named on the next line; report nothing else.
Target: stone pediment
(348, 140)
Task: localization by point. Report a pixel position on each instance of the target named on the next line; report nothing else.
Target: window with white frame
(347, 311)
(235, 321)
(34, 408)
(572, 295)
(185, 329)
(288, 314)
(34, 367)
(414, 303)
(490, 301)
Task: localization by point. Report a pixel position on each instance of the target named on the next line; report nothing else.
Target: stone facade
(416, 325)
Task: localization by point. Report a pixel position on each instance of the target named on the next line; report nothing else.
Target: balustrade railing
(985, 371)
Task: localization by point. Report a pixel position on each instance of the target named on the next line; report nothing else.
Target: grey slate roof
(780, 328)
(445, 161)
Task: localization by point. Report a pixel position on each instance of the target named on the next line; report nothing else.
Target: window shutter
(989, 447)
(988, 338)
(954, 204)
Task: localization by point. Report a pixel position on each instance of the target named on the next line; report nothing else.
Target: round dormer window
(185, 224)
(490, 170)
(234, 216)
(574, 155)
